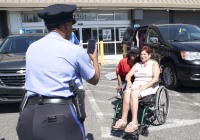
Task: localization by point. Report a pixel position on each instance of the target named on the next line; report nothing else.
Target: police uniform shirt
(52, 62)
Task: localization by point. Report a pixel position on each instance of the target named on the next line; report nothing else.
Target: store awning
(126, 4)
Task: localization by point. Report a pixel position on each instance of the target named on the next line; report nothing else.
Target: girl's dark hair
(133, 51)
(130, 54)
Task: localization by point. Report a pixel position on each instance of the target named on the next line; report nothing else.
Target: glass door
(88, 33)
(110, 35)
(107, 34)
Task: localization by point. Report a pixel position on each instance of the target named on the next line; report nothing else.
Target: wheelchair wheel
(118, 111)
(117, 114)
(162, 105)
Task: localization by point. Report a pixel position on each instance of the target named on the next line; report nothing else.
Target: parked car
(177, 48)
(12, 66)
(1, 40)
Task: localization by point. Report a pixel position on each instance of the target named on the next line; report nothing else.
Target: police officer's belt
(48, 100)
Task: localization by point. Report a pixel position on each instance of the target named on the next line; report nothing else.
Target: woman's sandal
(131, 128)
(120, 125)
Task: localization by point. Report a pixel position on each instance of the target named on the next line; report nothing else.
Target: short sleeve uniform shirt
(52, 62)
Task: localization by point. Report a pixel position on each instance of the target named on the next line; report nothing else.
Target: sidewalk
(111, 59)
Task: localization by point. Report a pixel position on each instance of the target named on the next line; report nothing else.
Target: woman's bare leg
(126, 104)
(134, 106)
(133, 125)
(121, 123)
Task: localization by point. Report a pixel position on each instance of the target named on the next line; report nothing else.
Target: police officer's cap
(57, 14)
(134, 49)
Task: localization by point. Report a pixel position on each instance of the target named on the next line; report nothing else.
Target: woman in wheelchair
(125, 65)
(146, 73)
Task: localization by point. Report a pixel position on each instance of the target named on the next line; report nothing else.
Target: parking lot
(182, 123)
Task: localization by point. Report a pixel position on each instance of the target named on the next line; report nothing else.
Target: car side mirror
(154, 40)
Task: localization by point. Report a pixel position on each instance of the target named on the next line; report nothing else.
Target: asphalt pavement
(183, 122)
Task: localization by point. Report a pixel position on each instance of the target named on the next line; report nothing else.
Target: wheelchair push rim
(162, 105)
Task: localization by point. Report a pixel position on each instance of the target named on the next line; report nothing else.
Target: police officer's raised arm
(95, 79)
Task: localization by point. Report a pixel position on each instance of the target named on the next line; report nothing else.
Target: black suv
(177, 48)
(12, 66)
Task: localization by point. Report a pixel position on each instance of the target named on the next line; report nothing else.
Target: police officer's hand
(94, 56)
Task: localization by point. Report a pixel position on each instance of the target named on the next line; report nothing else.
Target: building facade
(99, 19)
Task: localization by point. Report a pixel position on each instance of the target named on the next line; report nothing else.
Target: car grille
(14, 78)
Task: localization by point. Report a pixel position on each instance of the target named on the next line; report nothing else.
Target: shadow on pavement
(89, 136)
(9, 108)
(184, 89)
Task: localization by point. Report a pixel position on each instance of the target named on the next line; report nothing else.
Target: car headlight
(190, 55)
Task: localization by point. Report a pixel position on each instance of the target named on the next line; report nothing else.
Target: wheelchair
(152, 110)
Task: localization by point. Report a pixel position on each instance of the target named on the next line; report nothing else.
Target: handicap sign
(136, 25)
(22, 31)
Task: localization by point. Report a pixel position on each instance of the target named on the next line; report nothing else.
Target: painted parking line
(187, 103)
(174, 94)
(105, 86)
(100, 91)
(104, 101)
(94, 105)
(173, 123)
(105, 114)
(101, 68)
(107, 81)
(111, 76)
(105, 132)
(103, 72)
(171, 101)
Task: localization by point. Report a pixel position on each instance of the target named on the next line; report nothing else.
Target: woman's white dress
(143, 74)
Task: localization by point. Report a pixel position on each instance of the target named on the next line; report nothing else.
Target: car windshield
(184, 33)
(17, 44)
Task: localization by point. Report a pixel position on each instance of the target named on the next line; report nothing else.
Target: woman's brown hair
(147, 49)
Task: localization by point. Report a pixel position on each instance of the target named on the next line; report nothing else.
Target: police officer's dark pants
(49, 122)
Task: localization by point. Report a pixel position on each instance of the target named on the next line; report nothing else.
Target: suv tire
(169, 77)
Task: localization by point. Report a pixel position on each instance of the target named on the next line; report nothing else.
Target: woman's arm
(155, 76)
(128, 77)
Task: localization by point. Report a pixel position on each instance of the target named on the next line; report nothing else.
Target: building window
(122, 15)
(30, 16)
(105, 15)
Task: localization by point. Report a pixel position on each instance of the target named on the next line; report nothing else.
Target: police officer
(51, 63)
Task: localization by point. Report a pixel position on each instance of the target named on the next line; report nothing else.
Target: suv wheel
(169, 77)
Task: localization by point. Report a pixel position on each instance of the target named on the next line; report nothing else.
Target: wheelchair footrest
(144, 131)
(132, 133)
(131, 136)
